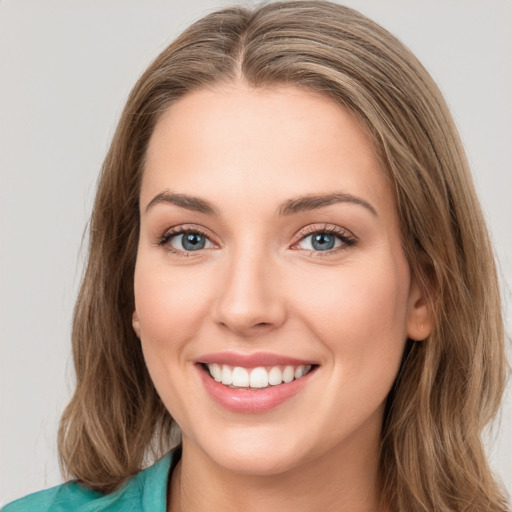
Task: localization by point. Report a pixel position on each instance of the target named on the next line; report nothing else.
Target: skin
(259, 285)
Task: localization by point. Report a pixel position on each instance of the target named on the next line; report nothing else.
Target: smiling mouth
(260, 377)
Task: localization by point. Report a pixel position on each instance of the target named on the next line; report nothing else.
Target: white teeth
(240, 377)
(289, 374)
(300, 371)
(216, 372)
(275, 376)
(258, 378)
(227, 375)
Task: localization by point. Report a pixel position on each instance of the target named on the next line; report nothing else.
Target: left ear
(136, 323)
(419, 315)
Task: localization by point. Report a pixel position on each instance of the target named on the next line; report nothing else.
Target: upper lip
(252, 360)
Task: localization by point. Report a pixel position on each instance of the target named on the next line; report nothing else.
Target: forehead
(280, 141)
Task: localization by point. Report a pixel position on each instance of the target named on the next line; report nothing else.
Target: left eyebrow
(314, 201)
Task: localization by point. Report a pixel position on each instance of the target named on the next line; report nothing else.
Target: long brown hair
(449, 386)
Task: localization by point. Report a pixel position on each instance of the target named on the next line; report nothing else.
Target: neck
(337, 481)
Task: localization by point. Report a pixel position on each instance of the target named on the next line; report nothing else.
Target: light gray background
(66, 68)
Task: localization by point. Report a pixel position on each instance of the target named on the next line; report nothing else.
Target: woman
(288, 261)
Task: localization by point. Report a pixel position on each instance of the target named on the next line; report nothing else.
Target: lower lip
(251, 400)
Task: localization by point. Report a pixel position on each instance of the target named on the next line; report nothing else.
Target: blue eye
(324, 241)
(189, 241)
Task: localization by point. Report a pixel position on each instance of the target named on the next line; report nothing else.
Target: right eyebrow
(192, 203)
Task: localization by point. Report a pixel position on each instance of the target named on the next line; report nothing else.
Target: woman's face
(269, 247)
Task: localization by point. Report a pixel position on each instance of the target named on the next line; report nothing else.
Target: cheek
(359, 312)
(169, 306)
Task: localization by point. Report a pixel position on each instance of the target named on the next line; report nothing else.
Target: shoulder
(144, 492)
(57, 498)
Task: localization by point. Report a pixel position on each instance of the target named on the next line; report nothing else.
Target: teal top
(144, 492)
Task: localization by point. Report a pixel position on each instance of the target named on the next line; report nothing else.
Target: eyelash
(347, 238)
(165, 239)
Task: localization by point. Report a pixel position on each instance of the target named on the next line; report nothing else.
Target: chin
(253, 462)
(257, 452)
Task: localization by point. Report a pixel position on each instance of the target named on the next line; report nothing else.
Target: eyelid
(181, 229)
(345, 235)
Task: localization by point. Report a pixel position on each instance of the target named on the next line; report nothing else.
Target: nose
(250, 300)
